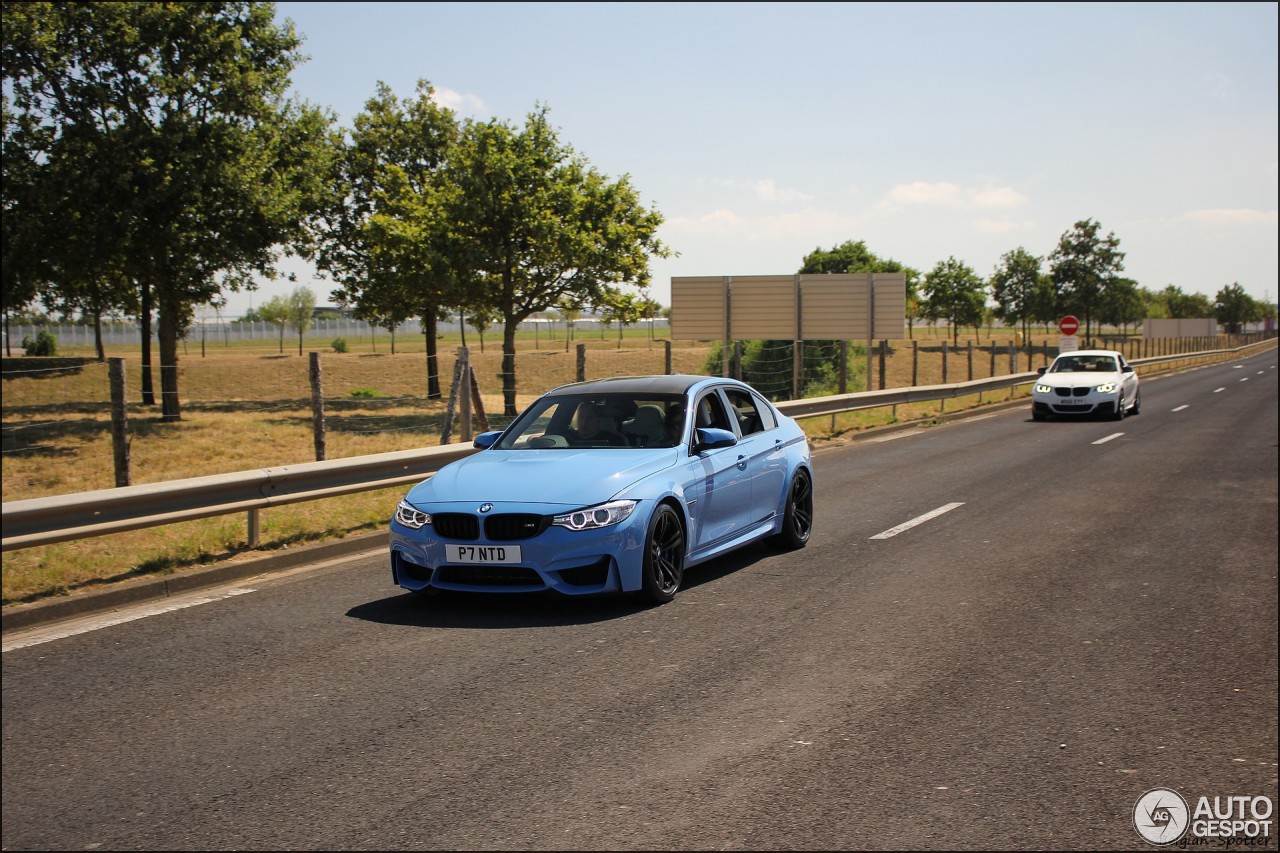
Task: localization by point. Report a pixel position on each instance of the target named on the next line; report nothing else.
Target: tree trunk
(429, 324)
(148, 392)
(509, 368)
(97, 335)
(170, 314)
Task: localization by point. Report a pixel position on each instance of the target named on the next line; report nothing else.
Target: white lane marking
(1218, 390)
(1108, 438)
(94, 623)
(1244, 378)
(1180, 408)
(894, 531)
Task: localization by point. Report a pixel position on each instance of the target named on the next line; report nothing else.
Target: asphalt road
(1082, 612)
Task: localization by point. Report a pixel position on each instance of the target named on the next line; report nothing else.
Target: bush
(367, 393)
(44, 344)
(339, 344)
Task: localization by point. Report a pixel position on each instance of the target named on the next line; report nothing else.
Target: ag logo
(1161, 816)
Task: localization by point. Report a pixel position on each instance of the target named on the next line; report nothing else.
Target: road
(1001, 635)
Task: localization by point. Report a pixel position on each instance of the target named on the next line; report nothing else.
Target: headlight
(1107, 387)
(592, 517)
(1043, 389)
(410, 516)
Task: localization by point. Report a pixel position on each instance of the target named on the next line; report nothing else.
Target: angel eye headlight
(594, 517)
(1107, 387)
(410, 516)
(1043, 389)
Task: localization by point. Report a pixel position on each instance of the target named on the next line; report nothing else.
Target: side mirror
(1128, 368)
(485, 440)
(1042, 370)
(707, 438)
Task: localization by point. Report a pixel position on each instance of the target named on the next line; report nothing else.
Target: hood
(553, 476)
(1079, 377)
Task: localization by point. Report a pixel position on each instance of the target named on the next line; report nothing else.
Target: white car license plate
(482, 554)
(1071, 402)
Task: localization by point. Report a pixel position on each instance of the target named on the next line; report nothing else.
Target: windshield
(1085, 364)
(598, 420)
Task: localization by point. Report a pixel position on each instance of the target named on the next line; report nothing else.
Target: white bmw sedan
(1086, 382)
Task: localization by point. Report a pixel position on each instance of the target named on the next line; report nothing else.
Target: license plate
(482, 554)
(1071, 402)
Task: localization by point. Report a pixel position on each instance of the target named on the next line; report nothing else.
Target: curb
(88, 601)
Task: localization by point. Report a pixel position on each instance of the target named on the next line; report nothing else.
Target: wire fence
(241, 411)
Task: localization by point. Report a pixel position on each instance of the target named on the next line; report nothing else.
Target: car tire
(663, 556)
(1037, 415)
(1118, 415)
(1137, 403)
(797, 516)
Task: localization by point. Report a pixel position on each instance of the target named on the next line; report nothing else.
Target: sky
(763, 131)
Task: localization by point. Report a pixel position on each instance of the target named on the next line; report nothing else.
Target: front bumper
(556, 559)
(1091, 402)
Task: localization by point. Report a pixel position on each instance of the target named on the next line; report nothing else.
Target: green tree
(301, 306)
(1122, 304)
(1233, 308)
(1083, 266)
(1014, 286)
(1185, 306)
(530, 222)
(956, 294)
(382, 239)
(190, 157)
(276, 310)
(622, 307)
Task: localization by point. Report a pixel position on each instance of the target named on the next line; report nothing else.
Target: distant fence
(213, 333)
(43, 521)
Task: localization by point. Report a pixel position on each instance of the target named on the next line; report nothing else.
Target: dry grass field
(246, 408)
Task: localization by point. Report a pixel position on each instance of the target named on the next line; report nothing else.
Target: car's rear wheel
(1137, 403)
(663, 556)
(797, 517)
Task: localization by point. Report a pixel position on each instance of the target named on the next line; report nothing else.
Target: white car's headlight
(1043, 389)
(1106, 387)
(593, 517)
(410, 516)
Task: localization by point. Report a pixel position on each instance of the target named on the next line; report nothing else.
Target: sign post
(1068, 326)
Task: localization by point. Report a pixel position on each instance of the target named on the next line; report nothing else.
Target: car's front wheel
(1118, 414)
(663, 556)
(797, 517)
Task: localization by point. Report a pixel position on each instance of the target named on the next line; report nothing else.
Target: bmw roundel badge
(486, 507)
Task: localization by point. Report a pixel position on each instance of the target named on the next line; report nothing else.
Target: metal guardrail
(59, 518)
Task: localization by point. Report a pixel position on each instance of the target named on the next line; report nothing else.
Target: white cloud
(946, 194)
(469, 104)
(767, 190)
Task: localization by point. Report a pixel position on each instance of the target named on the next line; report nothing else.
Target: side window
(710, 413)
(747, 411)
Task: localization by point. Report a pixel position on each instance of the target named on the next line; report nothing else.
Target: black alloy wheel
(663, 556)
(797, 517)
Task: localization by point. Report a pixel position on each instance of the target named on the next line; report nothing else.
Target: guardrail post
(119, 421)
(317, 407)
(254, 524)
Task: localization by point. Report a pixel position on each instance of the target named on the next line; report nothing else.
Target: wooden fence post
(582, 363)
(119, 421)
(317, 406)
